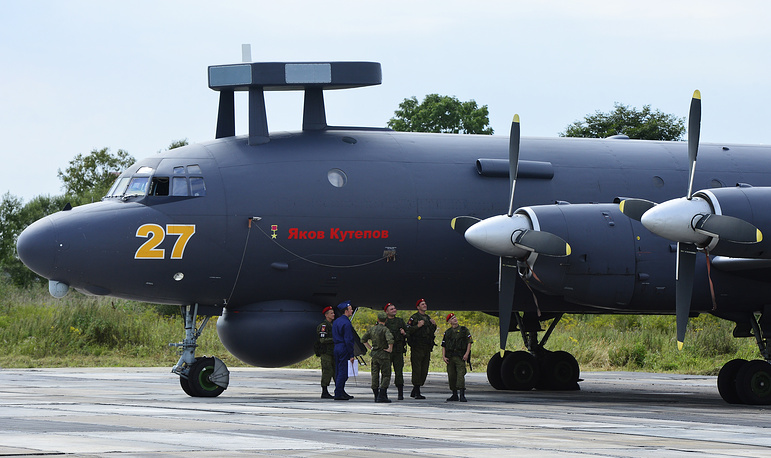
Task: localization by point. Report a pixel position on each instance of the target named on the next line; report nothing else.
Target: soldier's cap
(450, 315)
(381, 316)
(385, 309)
(343, 305)
(419, 301)
(326, 309)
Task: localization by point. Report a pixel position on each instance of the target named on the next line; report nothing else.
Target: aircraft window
(715, 183)
(337, 178)
(159, 186)
(197, 186)
(179, 186)
(193, 169)
(137, 186)
(179, 170)
(119, 188)
(145, 170)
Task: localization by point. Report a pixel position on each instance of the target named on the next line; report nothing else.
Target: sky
(82, 75)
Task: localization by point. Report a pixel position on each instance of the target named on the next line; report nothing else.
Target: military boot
(383, 395)
(325, 393)
(454, 396)
(417, 393)
(400, 389)
(376, 392)
(412, 394)
(463, 395)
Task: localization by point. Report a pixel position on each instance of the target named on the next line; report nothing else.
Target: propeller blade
(728, 228)
(513, 159)
(686, 264)
(461, 223)
(544, 243)
(694, 128)
(506, 282)
(634, 208)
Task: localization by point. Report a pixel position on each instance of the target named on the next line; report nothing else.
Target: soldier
(420, 336)
(342, 333)
(398, 328)
(382, 346)
(325, 349)
(456, 350)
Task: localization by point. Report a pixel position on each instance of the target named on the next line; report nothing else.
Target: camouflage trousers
(456, 373)
(327, 369)
(381, 369)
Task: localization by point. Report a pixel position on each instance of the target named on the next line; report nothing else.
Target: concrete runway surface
(277, 412)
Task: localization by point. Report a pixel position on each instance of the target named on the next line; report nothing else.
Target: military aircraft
(264, 230)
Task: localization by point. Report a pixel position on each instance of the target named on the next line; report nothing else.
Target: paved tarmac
(130, 412)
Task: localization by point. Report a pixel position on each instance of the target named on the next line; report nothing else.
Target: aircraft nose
(37, 247)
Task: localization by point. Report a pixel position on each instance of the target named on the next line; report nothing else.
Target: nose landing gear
(199, 377)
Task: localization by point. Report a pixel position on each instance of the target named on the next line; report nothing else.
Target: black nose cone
(37, 247)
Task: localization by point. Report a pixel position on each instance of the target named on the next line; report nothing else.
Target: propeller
(690, 222)
(511, 237)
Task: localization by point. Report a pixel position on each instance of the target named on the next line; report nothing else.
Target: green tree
(92, 175)
(441, 114)
(645, 124)
(178, 143)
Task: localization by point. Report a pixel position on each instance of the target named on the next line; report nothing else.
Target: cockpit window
(159, 186)
(179, 170)
(119, 188)
(144, 170)
(193, 169)
(197, 186)
(137, 186)
(179, 186)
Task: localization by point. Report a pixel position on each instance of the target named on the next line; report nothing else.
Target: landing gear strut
(749, 382)
(203, 376)
(537, 367)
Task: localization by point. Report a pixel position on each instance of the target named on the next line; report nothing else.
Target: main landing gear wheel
(726, 381)
(494, 371)
(560, 371)
(753, 383)
(520, 371)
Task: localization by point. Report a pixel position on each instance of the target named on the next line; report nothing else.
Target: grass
(37, 330)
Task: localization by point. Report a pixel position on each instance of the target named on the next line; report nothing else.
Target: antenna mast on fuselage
(258, 77)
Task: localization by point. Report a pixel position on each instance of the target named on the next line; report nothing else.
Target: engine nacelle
(270, 334)
(749, 204)
(601, 269)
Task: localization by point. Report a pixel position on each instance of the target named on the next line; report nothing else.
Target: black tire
(520, 371)
(560, 371)
(753, 383)
(198, 378)
(494, 371)
(726, 381)
(185, 384)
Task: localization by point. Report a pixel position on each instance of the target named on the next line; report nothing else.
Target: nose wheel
(199, 377)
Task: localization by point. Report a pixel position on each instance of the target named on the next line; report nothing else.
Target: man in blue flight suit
(342, 334)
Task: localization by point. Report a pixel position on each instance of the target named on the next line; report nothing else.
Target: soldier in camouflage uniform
(398, 328)
(456, 350)
(420, 336)
(382, 346)
(325, 349)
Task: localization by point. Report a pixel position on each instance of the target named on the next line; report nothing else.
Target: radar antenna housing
(258, 77)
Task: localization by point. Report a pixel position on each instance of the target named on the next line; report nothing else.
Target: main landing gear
(203, 376)
(537, 367)
(748, 382)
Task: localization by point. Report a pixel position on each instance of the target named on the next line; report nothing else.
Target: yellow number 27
(156, 234)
